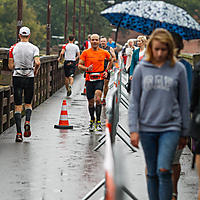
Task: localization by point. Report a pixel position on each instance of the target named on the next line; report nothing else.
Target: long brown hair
(165, 37)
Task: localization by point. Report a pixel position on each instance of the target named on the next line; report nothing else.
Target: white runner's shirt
(23, 55)
(70, 51)
(89, 45)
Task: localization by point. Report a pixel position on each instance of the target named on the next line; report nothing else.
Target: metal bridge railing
(49, 79)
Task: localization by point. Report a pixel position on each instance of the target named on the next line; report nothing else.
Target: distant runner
(71, 53)
(87, 43)
(92, 61)
(22, 57)
(111, 43)
(103, 45)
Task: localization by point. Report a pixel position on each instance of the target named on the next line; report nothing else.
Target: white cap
(24, 31)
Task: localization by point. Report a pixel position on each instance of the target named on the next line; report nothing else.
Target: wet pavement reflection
(60, 164)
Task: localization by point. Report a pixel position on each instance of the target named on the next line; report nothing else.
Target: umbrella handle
(116, 33)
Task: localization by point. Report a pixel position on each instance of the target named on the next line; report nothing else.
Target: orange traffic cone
(63, 122)
(84, 90)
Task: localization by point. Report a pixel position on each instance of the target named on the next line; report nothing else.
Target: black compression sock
(91, 111)
(28, 112)
(98, 112)
(17, 117)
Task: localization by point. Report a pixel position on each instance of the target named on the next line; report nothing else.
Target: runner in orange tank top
(92, 62)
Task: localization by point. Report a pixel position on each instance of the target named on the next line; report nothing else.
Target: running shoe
(27, 129)
(103, 102)
(98, 126)
(69, 90)
(91, 126)
(19, 137)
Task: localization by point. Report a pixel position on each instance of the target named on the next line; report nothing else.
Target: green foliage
(7, 23)
(93, 22)
(35, 17)
(8, 15)
(38, 31)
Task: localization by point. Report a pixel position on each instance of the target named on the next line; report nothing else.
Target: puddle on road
(75, 104)
(80, 100)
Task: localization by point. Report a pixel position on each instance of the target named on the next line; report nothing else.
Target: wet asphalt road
(61, 165)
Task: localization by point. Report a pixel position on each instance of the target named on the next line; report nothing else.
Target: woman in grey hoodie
(159, 111)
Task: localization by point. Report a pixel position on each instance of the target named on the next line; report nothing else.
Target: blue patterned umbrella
(145, 16)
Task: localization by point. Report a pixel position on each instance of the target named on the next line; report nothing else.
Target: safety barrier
(49, 79)
(119, 97)
(113, 181)
(114, 184)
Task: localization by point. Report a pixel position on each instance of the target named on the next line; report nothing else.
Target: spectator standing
(123, 55)
(159, 111)
(195, 121)
(138, 53)
(176, 167)
(129, 52)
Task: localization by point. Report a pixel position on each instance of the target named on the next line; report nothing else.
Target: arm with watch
(81, 66)
(109, 66)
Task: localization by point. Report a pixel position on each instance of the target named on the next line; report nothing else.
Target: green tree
(99, 23)
(8, 15)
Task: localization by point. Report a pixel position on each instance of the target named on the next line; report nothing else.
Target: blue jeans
(159, 149)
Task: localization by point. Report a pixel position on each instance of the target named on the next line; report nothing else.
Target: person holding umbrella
(194, 124)
(176, 167)
(159, 111)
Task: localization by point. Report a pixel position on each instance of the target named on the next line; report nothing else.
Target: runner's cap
(24, 31)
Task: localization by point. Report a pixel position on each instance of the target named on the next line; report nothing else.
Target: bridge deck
(55, 164)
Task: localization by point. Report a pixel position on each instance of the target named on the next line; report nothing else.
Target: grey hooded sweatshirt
(159, 99)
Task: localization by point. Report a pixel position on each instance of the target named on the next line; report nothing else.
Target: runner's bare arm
(61, 55)
(81, 66)
(109, 66)
(110, 63)
(37, 65)
(113, 54)
(11, 63)
(78, 56)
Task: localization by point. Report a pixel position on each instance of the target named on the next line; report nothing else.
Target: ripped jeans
(159, 149)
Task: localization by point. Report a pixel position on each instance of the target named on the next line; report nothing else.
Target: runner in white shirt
(25, 61)
(71, 54)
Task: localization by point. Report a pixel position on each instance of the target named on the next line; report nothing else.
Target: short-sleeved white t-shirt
(71, 51)
(23, 54)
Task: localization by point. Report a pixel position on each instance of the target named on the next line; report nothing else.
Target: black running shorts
(21, 84)
(92, 86)
(69, 68)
